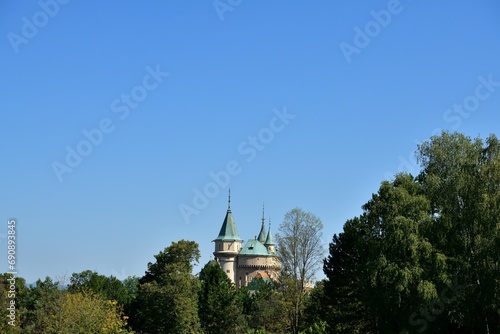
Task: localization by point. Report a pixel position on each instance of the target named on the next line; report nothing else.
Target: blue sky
(308, 104)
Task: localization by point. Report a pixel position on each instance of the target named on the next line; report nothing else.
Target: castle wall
(249, 266)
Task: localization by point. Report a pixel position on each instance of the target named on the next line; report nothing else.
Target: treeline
(423, 257)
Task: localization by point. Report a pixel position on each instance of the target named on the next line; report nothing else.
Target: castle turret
(262, 233)
(228, 244)
(269, 240)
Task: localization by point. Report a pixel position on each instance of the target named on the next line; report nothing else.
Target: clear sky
(115, 114)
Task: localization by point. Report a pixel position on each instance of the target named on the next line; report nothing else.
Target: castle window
(228, 271)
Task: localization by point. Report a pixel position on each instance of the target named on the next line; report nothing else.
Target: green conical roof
(269, 239)
(228, 230)
(262, 233)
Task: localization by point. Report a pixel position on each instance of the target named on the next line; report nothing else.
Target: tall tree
(301, 251)
(382, 269)
(44, 300)
(219, 308)
(461, 177)
(167, 300)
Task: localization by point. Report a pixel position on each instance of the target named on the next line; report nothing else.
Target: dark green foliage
(167, 300)
(461, 177)
(20, 297)
(43, 301)
(219, 309)
(316, 309)
(424, 255)
(109, 287)
(264, 309)
(179, 256)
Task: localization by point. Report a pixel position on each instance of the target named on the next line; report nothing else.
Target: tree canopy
(424, 255)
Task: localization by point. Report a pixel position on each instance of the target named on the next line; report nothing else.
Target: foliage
(179, 256)
(264, 309)
(461, 178)
(167, 300)
(316, 309)
(43, 301)
(20, 291)
(86, 312)
(424, 254)
(219, 309)
(109, 287)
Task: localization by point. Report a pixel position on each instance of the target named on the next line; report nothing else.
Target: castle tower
(269, 240)
(228, 244)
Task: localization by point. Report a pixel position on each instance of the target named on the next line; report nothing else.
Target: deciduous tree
(167, 300)
(301, 251)
(381, 269)
(461, 177)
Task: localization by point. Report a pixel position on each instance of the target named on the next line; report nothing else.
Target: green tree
(43, 302)
(345, 269)
(381, 269)
(219, 308)
(87, 313)
(461, 177)
(265, 309)
(52, 310)
(316, 309)
(109, 287)
(167, 299)
(301, 251)
(7, 296)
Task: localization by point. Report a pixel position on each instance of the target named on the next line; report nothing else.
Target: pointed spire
(269, 238)
(228, 229)
(262, 233)
(263, 219)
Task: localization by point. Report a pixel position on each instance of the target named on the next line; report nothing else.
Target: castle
(257, 258)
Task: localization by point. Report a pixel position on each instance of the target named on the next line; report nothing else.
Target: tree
(219, 309)
(301, 252)
(461, 178)
(52, 310)
(382, 269)
(167, 300)
(43, 302)
(316, 309)
(344, 290)
(89, 313)
(264, 308)
(7, 296)
(109, 287)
